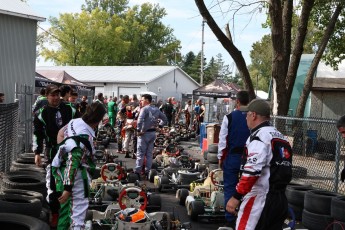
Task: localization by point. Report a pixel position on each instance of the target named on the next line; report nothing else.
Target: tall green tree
(187, 62)
(110, 6)
(85, 39)
(151, 41)
(97, 36)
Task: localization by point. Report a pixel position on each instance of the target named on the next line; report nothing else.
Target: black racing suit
(47, 123)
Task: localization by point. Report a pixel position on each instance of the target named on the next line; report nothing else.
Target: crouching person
(73, 165)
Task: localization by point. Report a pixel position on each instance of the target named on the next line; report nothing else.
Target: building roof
(120, 74)
(19, 9)
(328, 84)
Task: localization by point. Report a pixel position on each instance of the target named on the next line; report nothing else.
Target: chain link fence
(318, 150)
(8, 135)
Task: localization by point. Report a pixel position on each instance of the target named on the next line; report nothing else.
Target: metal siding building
(18, 31)
(165, 81)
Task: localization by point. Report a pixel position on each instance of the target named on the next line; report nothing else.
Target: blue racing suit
(232, 138)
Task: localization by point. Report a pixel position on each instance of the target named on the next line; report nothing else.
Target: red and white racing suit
(266, 170)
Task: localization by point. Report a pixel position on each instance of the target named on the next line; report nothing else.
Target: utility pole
(202, 54)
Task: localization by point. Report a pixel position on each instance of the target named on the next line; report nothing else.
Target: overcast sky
(184, 18)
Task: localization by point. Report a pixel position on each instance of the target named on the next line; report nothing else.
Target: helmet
(132, 215)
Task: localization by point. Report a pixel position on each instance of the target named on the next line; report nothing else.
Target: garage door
(129, 90)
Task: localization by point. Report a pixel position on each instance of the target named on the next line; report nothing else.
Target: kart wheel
(183, 196)
(164, 180)
(152, 174)
(197, 208)
(132, 178)
(154, 165)
(155, 201)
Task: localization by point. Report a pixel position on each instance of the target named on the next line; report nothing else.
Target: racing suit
(47, 123)
(71, 168)
(147, 122)
(232, 138)
(112, 108)
(266, 171)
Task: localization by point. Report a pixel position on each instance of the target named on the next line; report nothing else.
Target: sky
(183, 16)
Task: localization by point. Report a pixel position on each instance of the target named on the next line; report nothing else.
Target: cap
(258, 106)
(52, 89)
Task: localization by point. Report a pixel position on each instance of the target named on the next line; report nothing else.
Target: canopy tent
(44, 78)
(58, 77)
(216, 89)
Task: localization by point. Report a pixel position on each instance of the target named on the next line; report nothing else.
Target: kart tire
(201, 167)
(295, 195)
(155, 201)
(197, 208)
(18, 221)
(212, 158)
(31, 182)
(319, 201)
(152, 174)
(183, 193)
(89, 215)
(338, 208)
(32, 194)
(27, 170)
(164, 180)
(213, 148)
(315, 221)
(21, 204)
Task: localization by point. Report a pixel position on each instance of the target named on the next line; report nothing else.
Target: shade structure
(58, 77)
(216, 89)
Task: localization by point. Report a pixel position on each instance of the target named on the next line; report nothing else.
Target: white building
(165, 81)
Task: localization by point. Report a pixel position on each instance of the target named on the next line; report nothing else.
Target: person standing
(112, 108)
(40, 101)
(199, 111)
(73, 166)
(232, 138)
(65, 93)
(266, 171)
(146, 131)
(47, 122)
(341, 129)
(120, 121)
(83, 105)
(188, 112)
(168, 110)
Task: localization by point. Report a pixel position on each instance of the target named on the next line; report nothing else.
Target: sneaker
(54, 220)
(127, 155)
(134, 156)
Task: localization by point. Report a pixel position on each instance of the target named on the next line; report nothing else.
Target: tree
(85, 39)
(187, 62)
(285, 57)
(151, 40)
(107, 35)
(110, 6)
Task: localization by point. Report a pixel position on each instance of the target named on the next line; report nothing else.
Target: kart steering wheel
(112, 172)
(217, 177)
(131, 198)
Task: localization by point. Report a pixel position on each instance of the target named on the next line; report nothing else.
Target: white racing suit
(266, 170)
(71, 167)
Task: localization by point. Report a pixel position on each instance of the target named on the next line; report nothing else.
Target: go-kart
(207, 200)
(180, 173)
(115, 183)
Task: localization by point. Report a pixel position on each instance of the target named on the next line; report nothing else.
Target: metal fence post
(337, 163)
